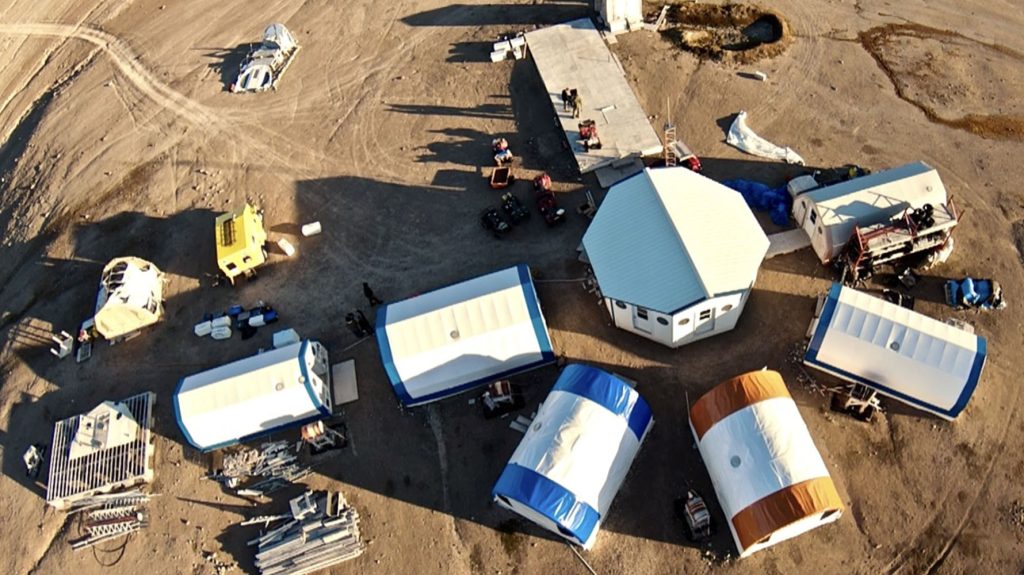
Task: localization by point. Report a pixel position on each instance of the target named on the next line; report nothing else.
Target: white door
(705, 321)
(641, 319)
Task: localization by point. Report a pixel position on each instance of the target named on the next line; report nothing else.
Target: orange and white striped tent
(770, 479)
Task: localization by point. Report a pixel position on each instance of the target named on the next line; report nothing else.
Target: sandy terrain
(118, 138)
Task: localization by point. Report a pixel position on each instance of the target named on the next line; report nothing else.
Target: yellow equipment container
(240, 238)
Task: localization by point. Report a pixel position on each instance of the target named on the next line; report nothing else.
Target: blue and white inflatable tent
(446, 341)
(576, 454)
(905, 355)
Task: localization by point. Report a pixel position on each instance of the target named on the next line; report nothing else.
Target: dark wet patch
(741, 33)
(883, 43)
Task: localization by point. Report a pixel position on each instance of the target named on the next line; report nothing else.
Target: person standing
(566, 99)
(364, 324)
(577, 105)
(353, 325)
(370, 296)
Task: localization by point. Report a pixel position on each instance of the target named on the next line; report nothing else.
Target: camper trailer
(240, 238)
(130, 297)
(830, 215)
(256, 396)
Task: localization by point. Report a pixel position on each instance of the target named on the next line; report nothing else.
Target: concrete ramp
(787, 242)
(574, 55)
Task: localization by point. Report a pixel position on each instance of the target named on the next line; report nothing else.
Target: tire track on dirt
(128, 63)
(927, 553)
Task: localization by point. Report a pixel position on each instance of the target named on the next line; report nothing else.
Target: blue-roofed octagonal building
(675, 255)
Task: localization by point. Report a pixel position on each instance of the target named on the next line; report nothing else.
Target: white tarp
(446, 341)
(576, 453)
(130, 297)
(255, 396)
(742, 137)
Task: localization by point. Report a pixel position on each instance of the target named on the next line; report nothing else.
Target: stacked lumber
(323, 531)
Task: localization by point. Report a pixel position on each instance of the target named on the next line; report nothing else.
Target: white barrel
(223, 332)
(222, 321)
(286, 247)
(203, 329)
(311, 229)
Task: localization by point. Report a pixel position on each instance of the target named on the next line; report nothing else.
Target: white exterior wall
(685, 326)
(620, 14)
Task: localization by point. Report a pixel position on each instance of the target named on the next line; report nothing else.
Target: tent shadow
(227, 62)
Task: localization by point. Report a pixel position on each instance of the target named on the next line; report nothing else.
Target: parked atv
(974, 293)
(514, 209)
(492, 221)
(545, 198)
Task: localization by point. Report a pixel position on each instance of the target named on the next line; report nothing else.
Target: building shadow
(500, 14)
(469, 52)
(464, 146)
(488, 111)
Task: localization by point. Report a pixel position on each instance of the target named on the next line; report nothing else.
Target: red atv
(545, 198)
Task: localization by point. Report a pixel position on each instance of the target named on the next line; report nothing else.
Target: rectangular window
(641, 313)
(705, 315)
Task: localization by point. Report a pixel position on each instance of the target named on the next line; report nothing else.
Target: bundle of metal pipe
(323, 531)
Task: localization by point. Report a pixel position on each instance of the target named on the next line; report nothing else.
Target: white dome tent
(264, 66)
(770, 479)
(576, 454)
(130, 297)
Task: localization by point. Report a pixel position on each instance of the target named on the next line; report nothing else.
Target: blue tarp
(764, 198)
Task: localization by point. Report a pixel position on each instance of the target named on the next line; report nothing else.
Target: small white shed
(130, 297)
(770, 479)
(910, 357)
(449, 340)
(255, 396)
(576, 454)
(620, 15)
(830, 214)
(675, 255)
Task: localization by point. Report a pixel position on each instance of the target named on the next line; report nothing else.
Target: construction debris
(324, 531)
(108, 448)
(276, 465)
(110, 517)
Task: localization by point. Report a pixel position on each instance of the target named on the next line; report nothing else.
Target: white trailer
(830, 214)
(256, 396)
